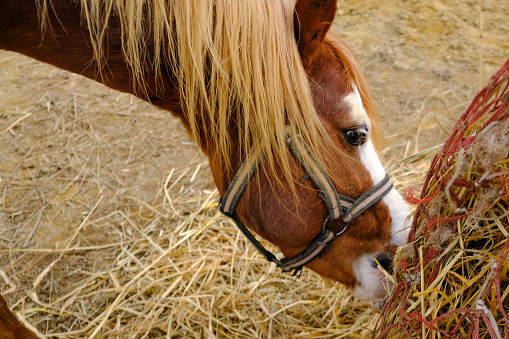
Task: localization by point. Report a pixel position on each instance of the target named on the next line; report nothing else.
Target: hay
(452, 278)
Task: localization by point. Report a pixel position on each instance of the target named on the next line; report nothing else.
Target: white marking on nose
(369, 279)
(398, 209)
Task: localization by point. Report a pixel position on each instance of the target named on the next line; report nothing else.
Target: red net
(452, 279)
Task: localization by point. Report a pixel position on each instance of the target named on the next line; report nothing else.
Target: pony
(244, 77)
(10, 327)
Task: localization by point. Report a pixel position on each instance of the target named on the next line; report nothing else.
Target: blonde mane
(236, 63)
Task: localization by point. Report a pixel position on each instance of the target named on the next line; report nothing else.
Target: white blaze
(369, 277)
(369, 158)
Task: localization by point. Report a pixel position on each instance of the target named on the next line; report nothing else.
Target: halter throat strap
(338, 206)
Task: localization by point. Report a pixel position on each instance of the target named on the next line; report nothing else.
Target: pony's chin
(371, 281)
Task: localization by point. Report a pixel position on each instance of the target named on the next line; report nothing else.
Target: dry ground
(107, 216)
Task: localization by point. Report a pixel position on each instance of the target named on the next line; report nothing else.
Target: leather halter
(338, 206)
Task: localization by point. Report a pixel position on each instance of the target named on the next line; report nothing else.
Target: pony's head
(250, 73)
(330, 107)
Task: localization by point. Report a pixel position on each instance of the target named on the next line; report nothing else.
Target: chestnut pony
(243, 75)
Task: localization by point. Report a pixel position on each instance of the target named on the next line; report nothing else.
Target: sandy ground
(423, 61)
(91, 165)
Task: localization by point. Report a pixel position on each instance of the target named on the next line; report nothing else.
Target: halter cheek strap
(338, 206)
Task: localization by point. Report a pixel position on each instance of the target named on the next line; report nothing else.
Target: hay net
(452, 279)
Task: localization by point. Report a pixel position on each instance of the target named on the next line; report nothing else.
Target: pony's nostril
(384, 260)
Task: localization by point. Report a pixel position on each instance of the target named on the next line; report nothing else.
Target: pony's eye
(356, 136)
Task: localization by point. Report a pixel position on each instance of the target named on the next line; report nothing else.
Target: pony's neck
(62, 46)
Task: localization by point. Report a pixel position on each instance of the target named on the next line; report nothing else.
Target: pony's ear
(311, 20)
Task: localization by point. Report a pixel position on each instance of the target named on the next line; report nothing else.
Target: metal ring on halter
(343, 230)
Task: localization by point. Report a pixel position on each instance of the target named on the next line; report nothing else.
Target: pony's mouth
(384, 260)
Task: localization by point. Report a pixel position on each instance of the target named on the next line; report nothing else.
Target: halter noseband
(338, 206)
